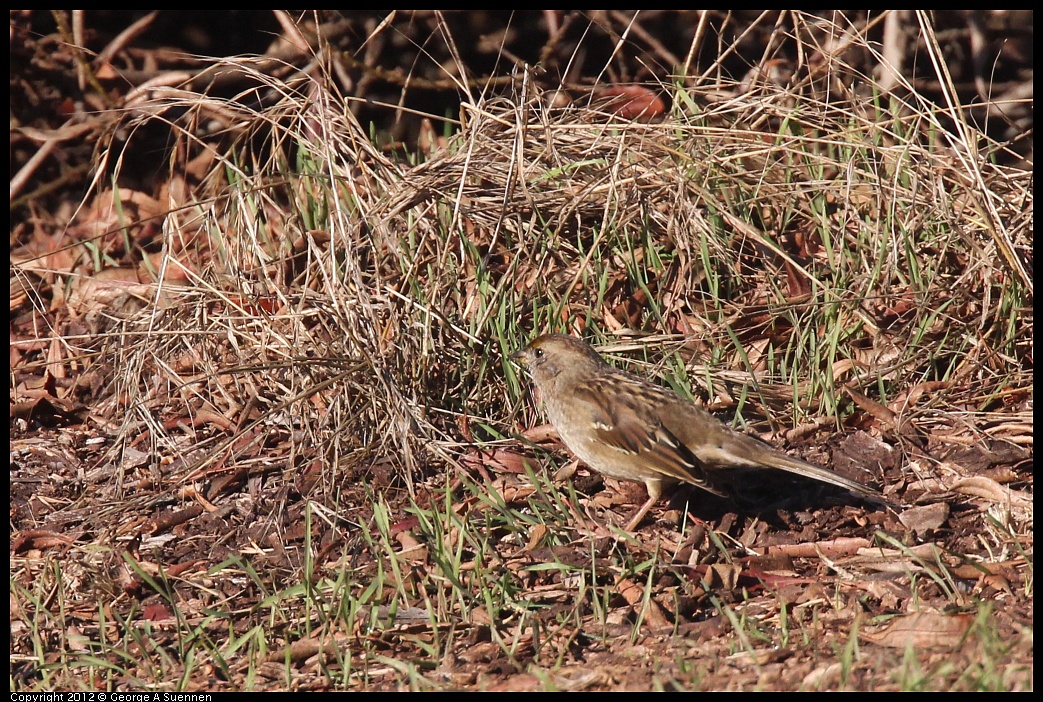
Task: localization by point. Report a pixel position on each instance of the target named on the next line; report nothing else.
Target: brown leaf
(107, 288)
(834, 547)
(634, 102)
(980, 486)
(39, 539)
(156, 612)
(46, 410)
(722, 576)
(884, 415)
(921, 520)
(634, 594)
(921, 630)
(542, 434)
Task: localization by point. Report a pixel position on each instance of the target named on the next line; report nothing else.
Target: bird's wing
(649, 442)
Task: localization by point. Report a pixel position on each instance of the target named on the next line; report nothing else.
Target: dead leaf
(921, 520)
(921, 630)
(634, 102)
(39, 539)
(987, 488)
(634, 594)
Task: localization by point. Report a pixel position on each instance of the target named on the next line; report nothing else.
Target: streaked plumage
(629, 429)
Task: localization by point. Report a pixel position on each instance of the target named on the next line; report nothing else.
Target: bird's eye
(538, 353)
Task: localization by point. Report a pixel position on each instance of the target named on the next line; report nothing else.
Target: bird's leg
(655, 489)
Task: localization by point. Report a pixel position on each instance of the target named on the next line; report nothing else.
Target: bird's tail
(809, 470)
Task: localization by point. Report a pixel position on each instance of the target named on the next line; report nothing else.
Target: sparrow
(628, 428)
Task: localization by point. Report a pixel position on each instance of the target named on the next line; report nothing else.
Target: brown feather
(627, 428)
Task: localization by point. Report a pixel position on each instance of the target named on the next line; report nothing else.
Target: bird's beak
(521, 357)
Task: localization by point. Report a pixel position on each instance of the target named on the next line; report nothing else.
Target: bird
(629, 428)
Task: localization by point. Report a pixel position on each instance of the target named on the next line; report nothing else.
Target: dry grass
(307, 471)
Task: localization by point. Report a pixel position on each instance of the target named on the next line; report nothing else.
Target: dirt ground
(162, 544)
